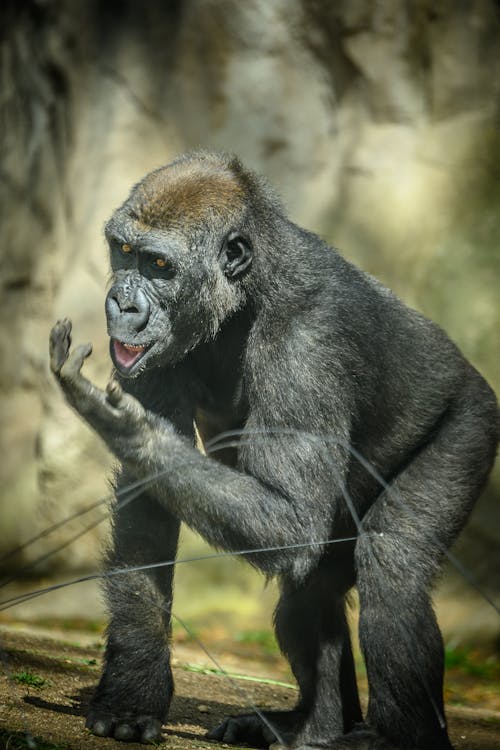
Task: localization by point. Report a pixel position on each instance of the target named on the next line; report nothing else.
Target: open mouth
(127, 355)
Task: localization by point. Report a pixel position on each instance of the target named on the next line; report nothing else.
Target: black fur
(254, 324)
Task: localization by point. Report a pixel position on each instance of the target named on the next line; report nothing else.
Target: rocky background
(377, 120)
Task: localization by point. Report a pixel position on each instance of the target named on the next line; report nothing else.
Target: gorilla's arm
(232, 510)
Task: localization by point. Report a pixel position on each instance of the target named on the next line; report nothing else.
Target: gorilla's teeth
(127, 355)
(132, 348)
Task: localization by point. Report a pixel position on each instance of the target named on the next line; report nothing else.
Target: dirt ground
(47, 683)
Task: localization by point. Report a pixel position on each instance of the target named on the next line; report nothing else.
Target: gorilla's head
(181, 248)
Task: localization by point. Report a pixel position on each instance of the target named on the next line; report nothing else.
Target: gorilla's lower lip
(127, 355)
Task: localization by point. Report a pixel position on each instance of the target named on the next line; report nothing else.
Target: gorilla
(350, 417)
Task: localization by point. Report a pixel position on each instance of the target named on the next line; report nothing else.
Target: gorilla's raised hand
(119, 418)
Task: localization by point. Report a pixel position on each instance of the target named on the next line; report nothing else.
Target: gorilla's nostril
(128, 309)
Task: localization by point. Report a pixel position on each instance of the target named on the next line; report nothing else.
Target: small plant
(88, 662)
(30, 679)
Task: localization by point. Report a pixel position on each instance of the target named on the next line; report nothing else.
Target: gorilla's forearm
(231, 510)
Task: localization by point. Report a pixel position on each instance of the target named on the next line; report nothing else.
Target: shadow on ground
(47, 684)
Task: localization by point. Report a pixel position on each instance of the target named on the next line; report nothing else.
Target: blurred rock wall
(377, 120)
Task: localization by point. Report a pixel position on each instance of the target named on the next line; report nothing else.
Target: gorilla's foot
(127, 728)
(251, 729)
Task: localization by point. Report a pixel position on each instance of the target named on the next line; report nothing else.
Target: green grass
(237, 676)
(30, 679)
(87, 662)
(466, 661)
(263, 638)
(72, 623)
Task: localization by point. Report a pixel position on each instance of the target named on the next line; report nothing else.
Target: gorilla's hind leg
(407, 531)
(313, 634)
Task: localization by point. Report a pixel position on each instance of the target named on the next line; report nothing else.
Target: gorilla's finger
(59, 344)
(114, 392)
(74, 363)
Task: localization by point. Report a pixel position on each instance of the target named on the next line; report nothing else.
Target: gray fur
(280, 333)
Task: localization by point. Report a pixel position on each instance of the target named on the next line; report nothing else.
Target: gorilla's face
(172, 287)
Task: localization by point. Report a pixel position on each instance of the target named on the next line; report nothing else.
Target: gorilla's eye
(126, 248)
(160, 263)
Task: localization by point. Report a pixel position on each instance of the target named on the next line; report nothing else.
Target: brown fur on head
(188, 192)
(179, 246)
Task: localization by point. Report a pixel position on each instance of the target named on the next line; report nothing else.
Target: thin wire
(222, 442)
(235, 684)
(50, 530)
(135, 489)
(21, 598)
(216, 444)
(53, 551)
(219, 442)
(139, 483)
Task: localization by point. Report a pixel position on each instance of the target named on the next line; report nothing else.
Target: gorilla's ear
(235, 256)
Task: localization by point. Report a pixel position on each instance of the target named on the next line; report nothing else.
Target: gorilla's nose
(127, 308)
